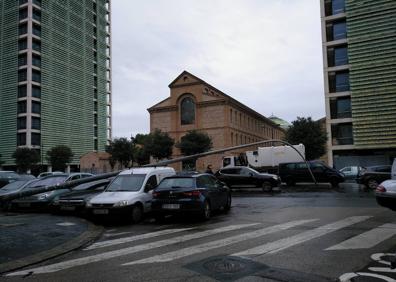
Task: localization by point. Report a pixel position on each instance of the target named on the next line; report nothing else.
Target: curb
(88, 236)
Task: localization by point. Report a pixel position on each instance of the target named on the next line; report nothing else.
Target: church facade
(194, 104)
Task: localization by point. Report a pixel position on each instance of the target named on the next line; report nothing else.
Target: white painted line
(382, 269)
(116, 234)
(118, 241)
(274, 247)
(126, 251)
(219, 243)
(367, 239)
(66, 224)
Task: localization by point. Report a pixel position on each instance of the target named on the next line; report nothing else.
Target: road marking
(276, 246)
(219, 243)
(66, 224)
(116, 234)
(368, 239)
(118, 241)
(126, 251)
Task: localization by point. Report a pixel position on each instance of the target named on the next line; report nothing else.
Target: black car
(241, 176)
(197, 194)
(75, 200)
(372, 176)
(7, 177)
(292, 173)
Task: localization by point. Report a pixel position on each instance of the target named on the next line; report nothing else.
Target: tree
(159, 145)
(25, 158)
(311, 134)
(194, 142)
(121, 150)
(59, 157)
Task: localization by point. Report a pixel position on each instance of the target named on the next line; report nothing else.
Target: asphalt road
(298, 235)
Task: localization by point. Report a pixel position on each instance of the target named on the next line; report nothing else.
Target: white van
(130, 193)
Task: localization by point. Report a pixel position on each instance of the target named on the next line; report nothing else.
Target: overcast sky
(265, 53)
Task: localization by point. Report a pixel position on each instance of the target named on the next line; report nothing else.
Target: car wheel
(334, 183)
(206, 213)
(372, 184)
(266, 186)
(227, 206)
(137, 214)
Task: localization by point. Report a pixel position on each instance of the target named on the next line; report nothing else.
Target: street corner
(26, 239)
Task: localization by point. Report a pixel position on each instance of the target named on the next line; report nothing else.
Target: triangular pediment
(163, 103)
(185, 78)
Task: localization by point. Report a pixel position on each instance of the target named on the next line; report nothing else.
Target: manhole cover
(225, 265)
(226, 268)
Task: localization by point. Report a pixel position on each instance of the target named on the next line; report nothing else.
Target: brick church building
(195, 104)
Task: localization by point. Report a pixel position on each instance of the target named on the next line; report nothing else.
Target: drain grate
(226, 268)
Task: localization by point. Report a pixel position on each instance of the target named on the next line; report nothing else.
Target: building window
(96, 144)
(187, 111)
(37, 2)
(22, 44)
(36, 45)
(340, 107)
(339, 81)
(36, 30)
(36, 123)
(22, 60)
(36, 107)
(21, 2)
(36, 138)
(23, 14)
(342, 134)
(337, 56)
(37, 14)
(95, 131)
(336, 30)
(95, 93)
(22, 91)
(334, 7)
(36, 91)
(36, 76)
(23, 29)
(22, 106)
(36, 60)
(232, 138)
(231, 116)
(21, 139)
(22, 75)
(21, 123)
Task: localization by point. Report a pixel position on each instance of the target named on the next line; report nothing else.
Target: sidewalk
(26, 239)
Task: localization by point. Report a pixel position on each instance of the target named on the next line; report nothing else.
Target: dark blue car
(197, 194)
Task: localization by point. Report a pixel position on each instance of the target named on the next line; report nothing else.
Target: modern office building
(359, 55)
(55, 76)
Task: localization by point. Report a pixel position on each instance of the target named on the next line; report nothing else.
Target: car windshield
(131, 182)
(8, 174)
(14, 185)
(50, 181)
(179, 182)
(91, 185)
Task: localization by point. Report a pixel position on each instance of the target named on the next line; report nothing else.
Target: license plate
(102, 211)
(67, 208)
(24, 205)
(171, 206)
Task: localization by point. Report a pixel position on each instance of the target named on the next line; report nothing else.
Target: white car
(130, 193)
(351, 172)
(386, 191)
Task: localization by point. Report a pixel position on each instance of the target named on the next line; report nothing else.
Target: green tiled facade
(371, 29)
(75, 75)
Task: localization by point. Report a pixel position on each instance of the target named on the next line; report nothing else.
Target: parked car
(43, 200)
(48, 173)
(385, 193)
(351, 172)
(7, 177)
(293, 173)
(16, 186)
(129, 194)
(374, 175)
(242, 176)
(197, 194)
(76, 200)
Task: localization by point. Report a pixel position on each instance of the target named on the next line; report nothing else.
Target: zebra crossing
(215, 237)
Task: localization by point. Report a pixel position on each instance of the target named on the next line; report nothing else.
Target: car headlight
(275, 177)
(43, 196)
(88, 204)
(121, 204)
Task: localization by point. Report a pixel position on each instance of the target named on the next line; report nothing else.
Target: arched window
(187, 111)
